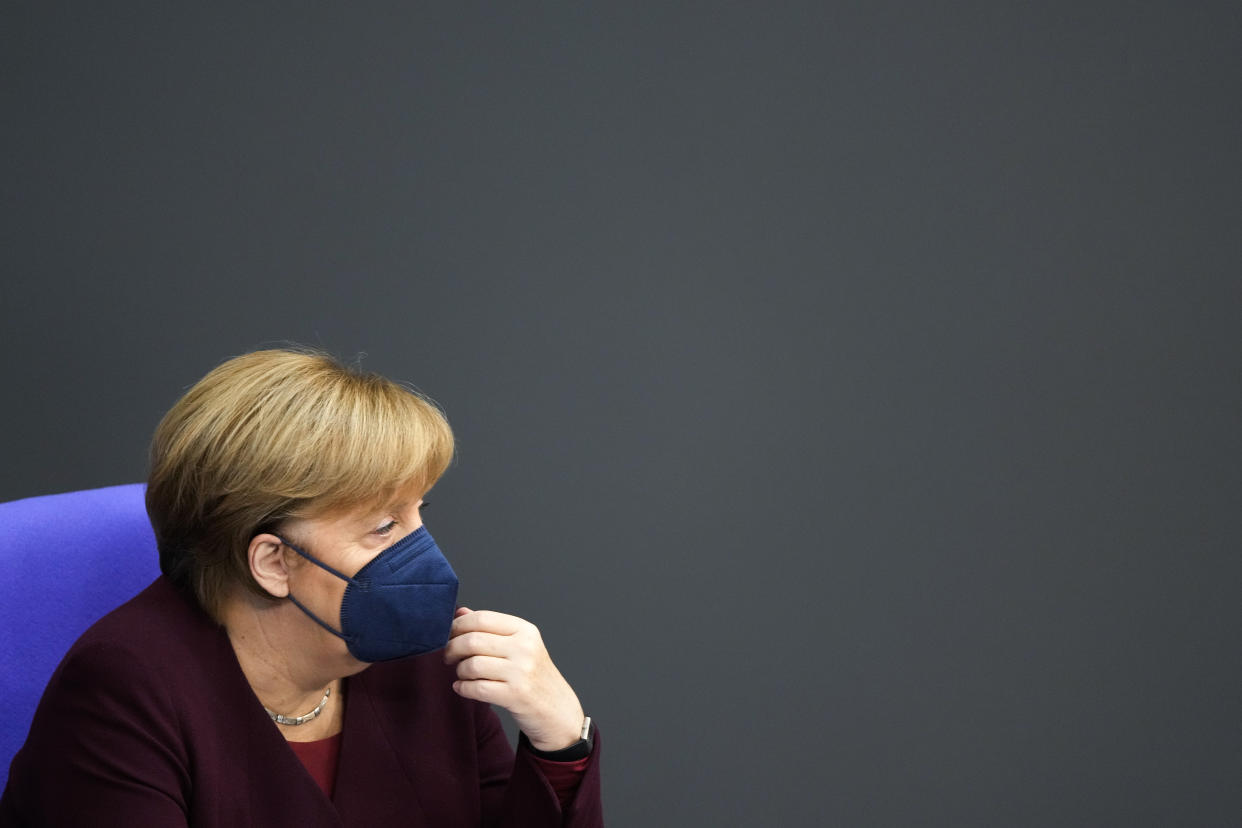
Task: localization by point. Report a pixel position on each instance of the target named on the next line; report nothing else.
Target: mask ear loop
(316, 561)
(302, 606)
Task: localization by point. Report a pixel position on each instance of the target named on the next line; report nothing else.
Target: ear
(268, 565)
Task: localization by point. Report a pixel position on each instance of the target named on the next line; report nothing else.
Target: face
(346, 543)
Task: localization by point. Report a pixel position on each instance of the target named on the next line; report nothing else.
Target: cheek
(353, 562)
(324, 591)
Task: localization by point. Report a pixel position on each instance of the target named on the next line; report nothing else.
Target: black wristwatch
(580, 749)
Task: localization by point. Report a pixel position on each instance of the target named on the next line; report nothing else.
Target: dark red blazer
(149, 721)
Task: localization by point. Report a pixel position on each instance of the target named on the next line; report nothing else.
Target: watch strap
(580, 749)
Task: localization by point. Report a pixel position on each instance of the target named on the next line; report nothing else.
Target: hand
(501, 660)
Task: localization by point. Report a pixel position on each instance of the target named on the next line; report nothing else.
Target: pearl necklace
(298, 720)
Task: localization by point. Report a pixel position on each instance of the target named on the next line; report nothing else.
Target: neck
(287, 663)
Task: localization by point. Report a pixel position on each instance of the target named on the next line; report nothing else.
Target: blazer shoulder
(158, 642)
(158, 616)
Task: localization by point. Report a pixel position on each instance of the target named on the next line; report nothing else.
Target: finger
(476, 643)
(487, 668)
(460, 611)
(487, 621)
(492, 692)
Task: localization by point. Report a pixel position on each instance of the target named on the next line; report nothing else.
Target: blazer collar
(373, 785)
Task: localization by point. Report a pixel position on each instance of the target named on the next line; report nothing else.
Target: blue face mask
(400, 604)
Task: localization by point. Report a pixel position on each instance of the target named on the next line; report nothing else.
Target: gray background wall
(850, 391)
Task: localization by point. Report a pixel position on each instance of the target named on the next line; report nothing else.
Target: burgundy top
(320, 758)
(150, 721)
(563, 776)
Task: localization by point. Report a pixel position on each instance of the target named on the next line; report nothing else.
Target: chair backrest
(67, 560)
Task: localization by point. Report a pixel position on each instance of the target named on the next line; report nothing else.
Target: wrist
(568, 731)
(579, 748)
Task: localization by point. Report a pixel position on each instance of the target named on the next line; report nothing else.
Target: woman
(301, 660)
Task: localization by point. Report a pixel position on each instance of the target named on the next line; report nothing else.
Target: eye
(385, 529)
(422, 507)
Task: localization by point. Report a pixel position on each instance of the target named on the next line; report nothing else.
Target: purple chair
(68, 559)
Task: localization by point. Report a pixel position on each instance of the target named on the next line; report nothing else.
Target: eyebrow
(393, 508)
(367, 522)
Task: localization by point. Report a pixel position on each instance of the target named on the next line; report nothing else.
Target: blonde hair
(277, 434)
